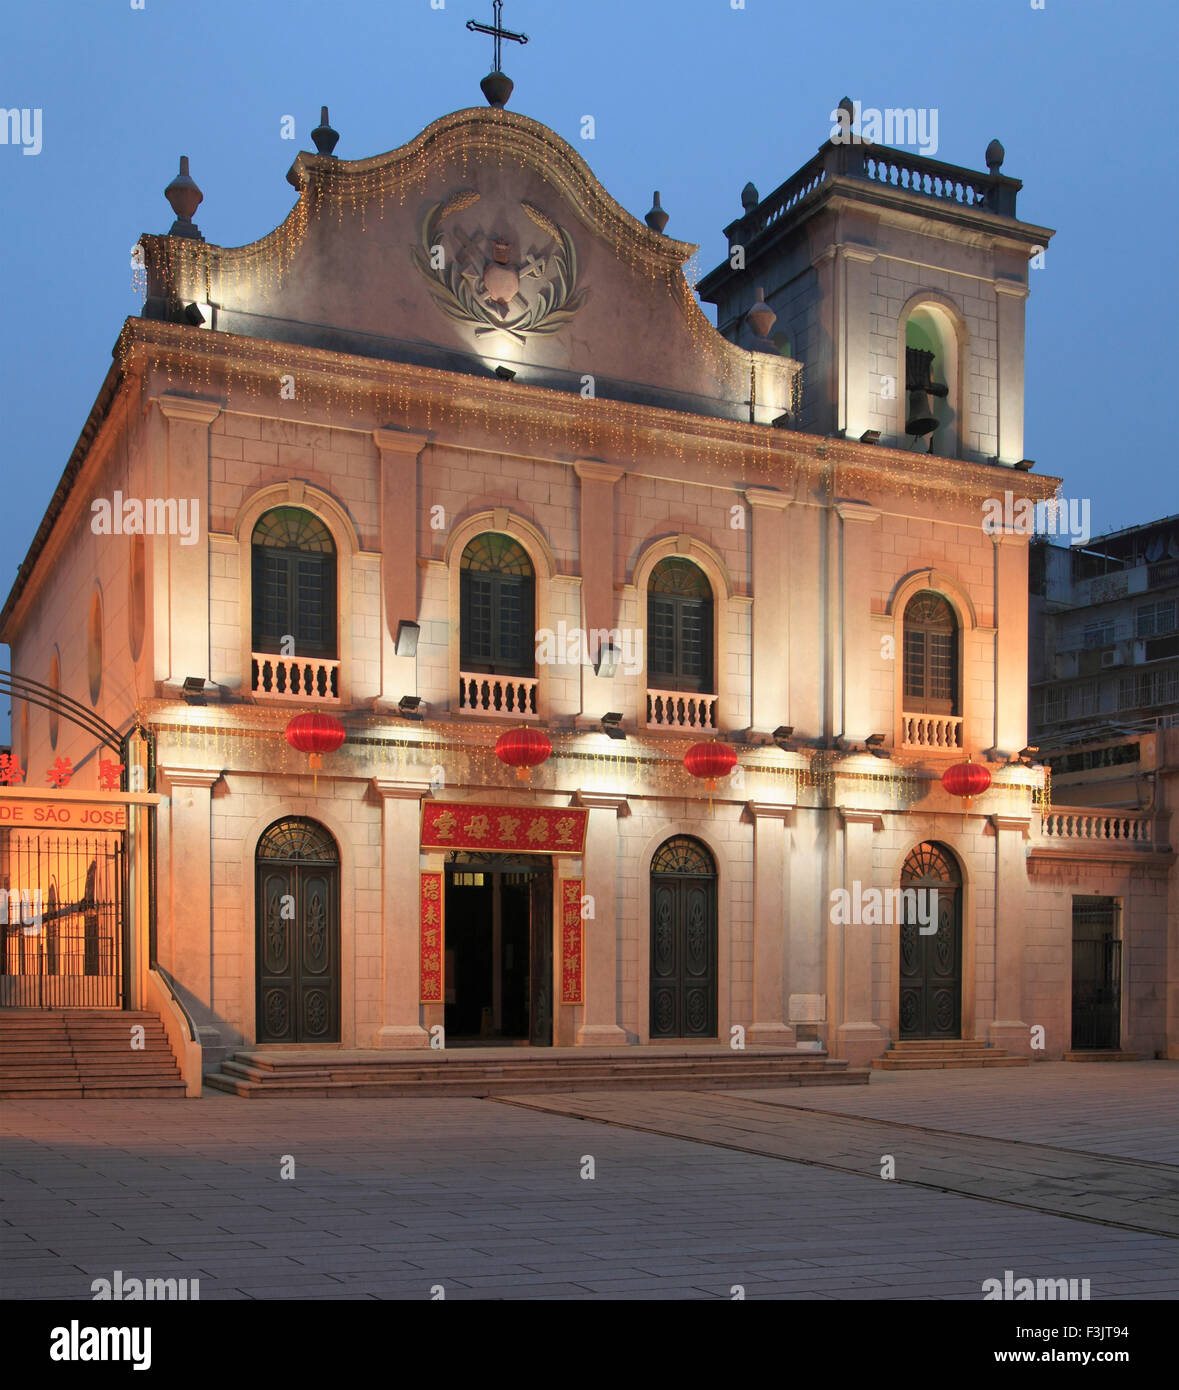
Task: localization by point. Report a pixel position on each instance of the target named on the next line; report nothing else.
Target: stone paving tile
(390, 1193)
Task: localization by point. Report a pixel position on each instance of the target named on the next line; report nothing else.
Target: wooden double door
(297, 960)
(683, 941)
(931, 949)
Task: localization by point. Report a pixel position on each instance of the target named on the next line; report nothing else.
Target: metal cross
(498, 32)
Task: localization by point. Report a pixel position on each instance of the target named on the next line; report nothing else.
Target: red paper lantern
(523, 749)
(967, 780)
(315, 734)
(711, 760)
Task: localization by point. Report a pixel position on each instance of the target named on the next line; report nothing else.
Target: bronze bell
(919, 418)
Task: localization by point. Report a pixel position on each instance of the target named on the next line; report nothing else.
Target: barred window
(497, 593)
(1156, 619)
(679, 627)
(1145, 689)
(930, 655)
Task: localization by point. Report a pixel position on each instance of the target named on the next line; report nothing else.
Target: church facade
(454, 452)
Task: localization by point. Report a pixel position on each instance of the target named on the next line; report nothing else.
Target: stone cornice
(596, 471)
(770, 810)
(188, 408)
(1020, 823)
(402, 790)
(853, 816)
(400, 441)
(618, 802)
(767, 497)
(190, 776)
(857, 511)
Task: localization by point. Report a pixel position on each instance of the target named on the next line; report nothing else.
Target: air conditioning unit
(1112, 658)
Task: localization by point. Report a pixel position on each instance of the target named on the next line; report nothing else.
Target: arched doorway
(931, 944)
(298, 934)
(683, 940)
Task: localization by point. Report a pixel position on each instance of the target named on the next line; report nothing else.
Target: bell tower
(898, 281)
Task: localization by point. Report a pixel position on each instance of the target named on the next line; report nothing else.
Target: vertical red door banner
(572, 942)
(432, 929)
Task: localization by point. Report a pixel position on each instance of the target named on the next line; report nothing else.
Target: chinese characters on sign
(431, 938)
(572, 956)
(530, 830)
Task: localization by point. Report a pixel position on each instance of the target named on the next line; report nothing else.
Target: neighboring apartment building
(460, 407)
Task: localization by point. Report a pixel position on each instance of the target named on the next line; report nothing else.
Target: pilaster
(401, 1023)
(399, 452)
(771, 915)
(600, 1027)
(858, 1036)
(1009, 1030)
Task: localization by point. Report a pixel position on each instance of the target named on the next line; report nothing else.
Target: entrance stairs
(924, 1055)
(85, 1054)
(260, 1073)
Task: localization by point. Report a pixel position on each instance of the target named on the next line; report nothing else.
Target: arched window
(679, 627)
(294, 583)
(497, 594)
(931, 655)
(94, 647)
(931, 361)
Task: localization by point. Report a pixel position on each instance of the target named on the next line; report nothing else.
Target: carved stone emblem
(475, 278)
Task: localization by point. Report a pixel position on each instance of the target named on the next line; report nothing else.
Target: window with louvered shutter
(930, 655)
(679, 628)
(497, 625)
(294, 583)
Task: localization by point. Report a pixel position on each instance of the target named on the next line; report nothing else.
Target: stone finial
(657, 219)
(996, 154)
(849, 106)
(761, 317)
(324, 136)
(184, 197)
(749, 197)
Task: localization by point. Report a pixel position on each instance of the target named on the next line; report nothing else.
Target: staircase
(520, 1071)
(84, 1054)
(925, 1055)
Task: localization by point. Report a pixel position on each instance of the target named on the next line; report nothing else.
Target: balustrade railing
(672, 709)
(1091, 825)
(306, 679)
(934, 731)
(497, 695)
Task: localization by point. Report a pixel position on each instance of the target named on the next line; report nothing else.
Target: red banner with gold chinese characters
(431, 938)
(522, 829)
(572, 952)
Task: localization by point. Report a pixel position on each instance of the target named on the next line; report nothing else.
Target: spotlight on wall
(611, 725)
(874, 743)
(606, 661)
(409, 707)
(1027, 755)
(870, 437)
(505, 374)
(1026, 465)
(781, 422)
(193, 315)
(194, 690)
(782, 737)
(407, 638)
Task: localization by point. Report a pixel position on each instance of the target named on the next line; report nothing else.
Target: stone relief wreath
(480, 284)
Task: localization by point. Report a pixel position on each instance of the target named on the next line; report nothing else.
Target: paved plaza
(1056, 1171)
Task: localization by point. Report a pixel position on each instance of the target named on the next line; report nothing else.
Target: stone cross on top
(496, 86)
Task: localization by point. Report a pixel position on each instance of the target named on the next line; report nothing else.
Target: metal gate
(63, 921)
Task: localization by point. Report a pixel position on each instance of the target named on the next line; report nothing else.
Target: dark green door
(298, 937)
(683, 941)
(1097, 974)
(931, 961)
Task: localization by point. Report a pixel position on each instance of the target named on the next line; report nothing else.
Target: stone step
(99, 1090)
(83, 1054)
(1102, 1055)
(941, 1044)
(995, 1059)
(436, 1085)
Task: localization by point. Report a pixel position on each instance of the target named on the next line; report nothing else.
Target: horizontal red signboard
(500, 828)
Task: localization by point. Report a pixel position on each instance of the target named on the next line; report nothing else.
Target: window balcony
(673, 709)
(499, 697)
(932, 732)
(308, 680)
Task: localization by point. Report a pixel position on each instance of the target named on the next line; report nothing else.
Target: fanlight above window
(297, 838)
(930, 863)
(683, 855)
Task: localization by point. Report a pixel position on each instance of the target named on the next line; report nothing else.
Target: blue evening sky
(692, 97)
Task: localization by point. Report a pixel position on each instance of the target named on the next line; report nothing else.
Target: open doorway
(499, 950)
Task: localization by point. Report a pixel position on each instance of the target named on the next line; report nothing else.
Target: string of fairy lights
(449, 755)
